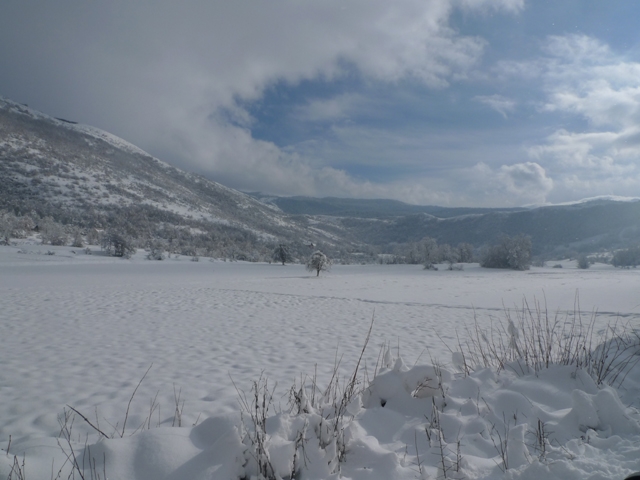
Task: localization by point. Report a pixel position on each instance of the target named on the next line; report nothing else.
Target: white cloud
(586, 78)
(292, 41)
(174, 77)
(514, 185)
(339, 107)
(527, 179)
(500, 104)
(576, 48)
(582, 77)
(513, 6)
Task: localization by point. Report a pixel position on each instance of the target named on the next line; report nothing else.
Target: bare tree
(318, 262)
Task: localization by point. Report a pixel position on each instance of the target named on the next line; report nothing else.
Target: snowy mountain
(82, 175)
(366, 208)
(587, 224)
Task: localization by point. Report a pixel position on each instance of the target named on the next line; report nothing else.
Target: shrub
(510, 252)
(583, 262)
(117, 244)
(629, 257)
(52, 232)
(465, 253)
(76, 234)
(539, 261)
(156, 251)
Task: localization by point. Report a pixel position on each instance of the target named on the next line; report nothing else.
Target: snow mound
(423, 422)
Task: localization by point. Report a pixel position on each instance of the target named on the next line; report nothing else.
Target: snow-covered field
(81, 330)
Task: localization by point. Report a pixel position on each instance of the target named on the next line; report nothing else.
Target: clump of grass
(320, 417)
(530, 339)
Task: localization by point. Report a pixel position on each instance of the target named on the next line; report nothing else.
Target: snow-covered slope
(60, 168)
(82, 175)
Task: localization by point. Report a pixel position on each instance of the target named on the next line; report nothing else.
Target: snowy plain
(80, 331)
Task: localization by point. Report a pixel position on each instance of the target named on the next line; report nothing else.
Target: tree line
(164, 233)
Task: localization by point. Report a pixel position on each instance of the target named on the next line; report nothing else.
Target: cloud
(586, 78)
(582, 78)
(339, 107)
(576, 49)
(513, 6)
(500, 104)
(175, 78)
(515, 185)
(526, 179)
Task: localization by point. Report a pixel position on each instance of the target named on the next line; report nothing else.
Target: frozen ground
(81, 330)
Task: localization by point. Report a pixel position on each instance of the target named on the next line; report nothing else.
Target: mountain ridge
(81, 175)
(77, 173)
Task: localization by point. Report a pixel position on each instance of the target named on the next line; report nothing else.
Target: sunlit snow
(80, 331)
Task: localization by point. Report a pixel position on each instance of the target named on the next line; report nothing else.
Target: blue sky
(447, 102)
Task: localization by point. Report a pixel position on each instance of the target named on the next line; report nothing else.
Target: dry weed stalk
(533, 340)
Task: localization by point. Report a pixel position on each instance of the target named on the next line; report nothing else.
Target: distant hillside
(586, 225)
(84, 177)
(365, 208)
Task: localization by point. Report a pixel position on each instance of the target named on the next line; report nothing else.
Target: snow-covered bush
(510, 252)
(156, 251)
(628, 257)
(583, 262)
(52, 232)
(117, 244)
(465, 253)
(13, 226)
(489, 418)
(76, 235)
(7, 227)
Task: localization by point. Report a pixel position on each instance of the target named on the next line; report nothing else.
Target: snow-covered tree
(281, 254)
(628, 257)
(510, 252)
(52, 232)
(7, 227)
(118, 245)
(448, 254)
(583, 261)
(465, 253)
(431, 252)
(318, 262)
